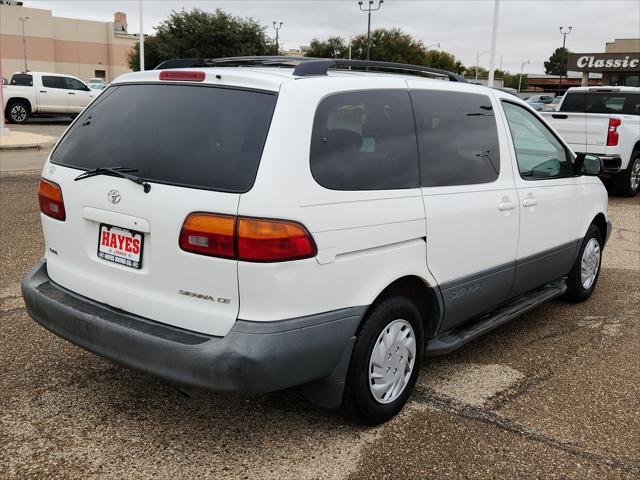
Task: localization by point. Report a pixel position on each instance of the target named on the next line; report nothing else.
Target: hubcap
(392, 361)
(590, 263)
(635, 174)
(18, 113)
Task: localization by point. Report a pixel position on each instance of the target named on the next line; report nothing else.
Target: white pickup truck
(604, 121)
(38, 93)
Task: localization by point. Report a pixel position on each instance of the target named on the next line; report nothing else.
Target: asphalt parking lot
(553, 394)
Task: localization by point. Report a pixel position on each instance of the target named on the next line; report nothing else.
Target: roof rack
(308, 66)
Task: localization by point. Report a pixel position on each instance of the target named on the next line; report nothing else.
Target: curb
(27, 146)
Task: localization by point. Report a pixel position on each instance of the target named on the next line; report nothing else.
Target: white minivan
(253, 224)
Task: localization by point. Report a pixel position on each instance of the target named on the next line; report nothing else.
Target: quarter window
(457, 137)
(365, 141)
(539, 154)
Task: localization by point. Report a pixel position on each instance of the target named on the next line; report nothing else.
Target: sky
(527, 30)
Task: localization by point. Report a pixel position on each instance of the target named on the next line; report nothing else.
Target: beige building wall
(83, 48)
(623, 45)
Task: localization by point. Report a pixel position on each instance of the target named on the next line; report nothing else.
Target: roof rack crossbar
(306, 66)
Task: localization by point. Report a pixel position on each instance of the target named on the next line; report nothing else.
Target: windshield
(193, 136)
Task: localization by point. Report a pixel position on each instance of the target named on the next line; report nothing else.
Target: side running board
(456, 338)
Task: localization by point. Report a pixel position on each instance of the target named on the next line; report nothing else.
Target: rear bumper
(253, 358)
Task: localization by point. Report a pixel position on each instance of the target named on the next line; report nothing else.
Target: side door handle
(530, 202)
(559, 116)
(71, 93)
(506, 205)
(43, 91)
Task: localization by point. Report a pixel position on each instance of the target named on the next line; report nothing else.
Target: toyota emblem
(114, 196)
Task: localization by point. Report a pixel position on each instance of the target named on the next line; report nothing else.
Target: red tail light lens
(182, 75)
(246, 238)
(50, 198)
(209, 234)
(261, 240)
(612, 135)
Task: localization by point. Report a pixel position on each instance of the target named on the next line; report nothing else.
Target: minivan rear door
(199, 148)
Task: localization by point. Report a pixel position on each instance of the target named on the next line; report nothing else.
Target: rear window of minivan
(192, 136)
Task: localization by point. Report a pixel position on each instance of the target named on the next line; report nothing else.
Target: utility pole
(141, 37)
(277, 26)
(520, 79)
(494, 35)
(478, 55)
(24, 42)
(563, 59)
(369, 9)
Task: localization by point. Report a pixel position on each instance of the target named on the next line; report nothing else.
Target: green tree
(333, 47)
(389, 45)
(200, 34)
(470, 72)
(557, 63)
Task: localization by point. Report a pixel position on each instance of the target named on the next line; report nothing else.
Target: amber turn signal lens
(209, 234)
(50, 199)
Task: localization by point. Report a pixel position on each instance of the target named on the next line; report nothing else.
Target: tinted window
(22, 79)
(613, 102)
(574, 102)
(539, 153)
(53, 82)
(364, 141)
(192, 136)
(73, 84)
(458, 138)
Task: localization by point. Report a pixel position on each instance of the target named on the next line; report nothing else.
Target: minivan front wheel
(385, 362)
(583, 277)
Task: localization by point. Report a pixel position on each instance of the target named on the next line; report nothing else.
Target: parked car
(604, 121)
(539, 102)
(39, 93)
(553, 106)
(97, 83)
(257, 228)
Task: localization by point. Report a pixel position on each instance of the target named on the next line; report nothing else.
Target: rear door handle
(560, 116)
(506, 205)
(43, 91)
(71, 93)
(529, 202)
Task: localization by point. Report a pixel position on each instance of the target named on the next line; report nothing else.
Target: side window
(625, 103)
(574, 102)
(53, 82)
(73, 84)
(22, 79)
(365, 140)
(539, 154)
(457, 138)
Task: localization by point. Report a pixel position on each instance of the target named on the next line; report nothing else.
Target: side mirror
(588, 164)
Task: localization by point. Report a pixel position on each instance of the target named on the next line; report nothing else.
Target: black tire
(17, 111)
(358, 403)
(576, 292)
(625, 183)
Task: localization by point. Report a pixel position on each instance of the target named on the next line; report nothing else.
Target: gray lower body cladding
(253, 358)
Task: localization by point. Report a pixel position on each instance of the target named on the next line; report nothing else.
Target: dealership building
(82, 48)
(619, 64)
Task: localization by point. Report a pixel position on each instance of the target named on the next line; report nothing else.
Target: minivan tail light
(613, 135)
(209, 234)
(182, 75)
(265, 240)
(50, 199)
(246, 238)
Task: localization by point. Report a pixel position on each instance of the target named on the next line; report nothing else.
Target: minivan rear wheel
(385, 362)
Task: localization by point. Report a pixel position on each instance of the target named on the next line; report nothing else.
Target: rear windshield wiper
(123, 172)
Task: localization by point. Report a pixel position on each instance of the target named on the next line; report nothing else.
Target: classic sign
(604, 62)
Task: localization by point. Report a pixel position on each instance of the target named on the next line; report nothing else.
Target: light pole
(494, 35)
(521, 69)
(141, 52)
(24, 42)
(369, 9)
(478, 55)
(562, 60)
